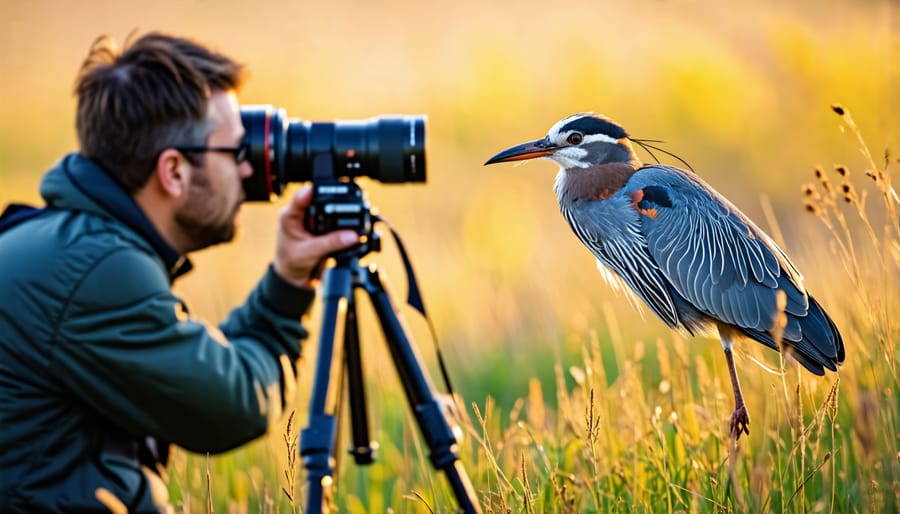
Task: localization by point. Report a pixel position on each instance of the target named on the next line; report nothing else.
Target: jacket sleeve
(127, 347)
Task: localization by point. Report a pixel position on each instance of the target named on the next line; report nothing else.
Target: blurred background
(742, 91)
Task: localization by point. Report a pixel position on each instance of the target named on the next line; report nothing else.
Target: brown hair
(152, 95)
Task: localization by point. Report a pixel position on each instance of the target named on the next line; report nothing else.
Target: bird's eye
(574, 138)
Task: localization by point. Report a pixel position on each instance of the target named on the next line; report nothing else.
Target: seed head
(822, 178)
(838, 109)
(849, 193)
(832, 400)
(841, 170)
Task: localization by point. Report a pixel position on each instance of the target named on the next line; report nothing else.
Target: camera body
(338, 205)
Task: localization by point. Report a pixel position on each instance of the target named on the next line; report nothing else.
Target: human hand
(298, 253)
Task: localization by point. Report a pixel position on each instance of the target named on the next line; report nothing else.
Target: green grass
(597, 422)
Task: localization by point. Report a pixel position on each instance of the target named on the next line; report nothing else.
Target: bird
(698, 262)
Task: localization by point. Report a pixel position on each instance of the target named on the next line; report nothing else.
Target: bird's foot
(740, 422)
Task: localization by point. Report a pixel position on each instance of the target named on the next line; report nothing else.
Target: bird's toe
(739, 423)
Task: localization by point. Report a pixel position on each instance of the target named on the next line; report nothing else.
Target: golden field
(575, 401)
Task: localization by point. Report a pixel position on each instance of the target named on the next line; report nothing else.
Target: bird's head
(577, 141)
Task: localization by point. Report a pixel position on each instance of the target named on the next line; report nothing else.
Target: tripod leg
(363, 449)
(419, 393)
(318, 438)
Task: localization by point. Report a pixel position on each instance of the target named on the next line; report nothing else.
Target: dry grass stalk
(290, 470)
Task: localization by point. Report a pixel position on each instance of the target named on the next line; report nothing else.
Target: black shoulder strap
(16, 213)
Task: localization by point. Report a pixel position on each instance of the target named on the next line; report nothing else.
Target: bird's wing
(611, 230)
(711, 253)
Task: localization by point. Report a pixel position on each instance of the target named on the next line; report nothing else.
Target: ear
(173, 173)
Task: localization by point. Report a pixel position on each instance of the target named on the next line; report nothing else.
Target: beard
(197, 219)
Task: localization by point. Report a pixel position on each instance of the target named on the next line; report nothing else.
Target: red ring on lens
(268, 154)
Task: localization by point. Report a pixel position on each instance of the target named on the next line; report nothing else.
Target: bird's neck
(597, 182)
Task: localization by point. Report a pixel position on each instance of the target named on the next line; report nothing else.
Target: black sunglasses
(240, 152)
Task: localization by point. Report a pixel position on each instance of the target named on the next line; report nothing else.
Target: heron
(684, 250)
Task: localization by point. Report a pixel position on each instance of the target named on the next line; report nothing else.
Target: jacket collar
(94, 183)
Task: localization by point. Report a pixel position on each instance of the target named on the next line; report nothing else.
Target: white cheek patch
(570, 157)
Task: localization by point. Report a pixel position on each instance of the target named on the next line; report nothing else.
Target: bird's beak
(529, 150)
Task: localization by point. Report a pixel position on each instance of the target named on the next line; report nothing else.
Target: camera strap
(414, 299)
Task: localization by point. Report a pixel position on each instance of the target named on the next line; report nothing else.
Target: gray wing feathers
(673, 239)
(715, 257)
(618, 244)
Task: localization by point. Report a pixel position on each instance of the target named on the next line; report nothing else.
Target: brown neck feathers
(594, 183)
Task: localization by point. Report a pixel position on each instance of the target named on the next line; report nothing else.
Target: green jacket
(102, 367)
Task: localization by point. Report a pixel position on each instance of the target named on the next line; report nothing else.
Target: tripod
(317, 440)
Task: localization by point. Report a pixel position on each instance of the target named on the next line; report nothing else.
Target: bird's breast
(598, 182)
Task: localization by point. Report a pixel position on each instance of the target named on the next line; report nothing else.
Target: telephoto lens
(389, 149)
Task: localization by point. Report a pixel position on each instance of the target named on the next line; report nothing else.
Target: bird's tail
(817, 346)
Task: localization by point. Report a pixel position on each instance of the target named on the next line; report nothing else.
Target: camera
(389, 149)
(338, 205)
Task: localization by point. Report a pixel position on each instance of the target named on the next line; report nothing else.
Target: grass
(571, 402)
(610, 424)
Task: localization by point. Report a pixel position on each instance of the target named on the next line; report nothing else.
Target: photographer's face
(215, 194)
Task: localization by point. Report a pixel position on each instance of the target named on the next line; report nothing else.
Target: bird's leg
(740, 419)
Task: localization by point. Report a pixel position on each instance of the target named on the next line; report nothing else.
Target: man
(101, 366)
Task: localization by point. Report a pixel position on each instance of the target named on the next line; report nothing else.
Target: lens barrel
(389, 149)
